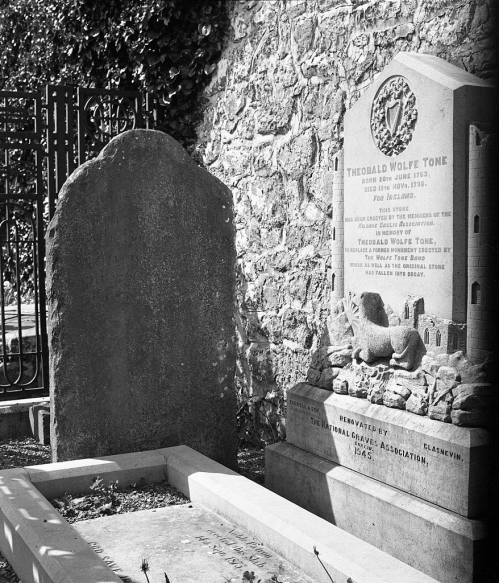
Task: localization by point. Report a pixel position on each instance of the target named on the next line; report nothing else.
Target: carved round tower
(480, 291)
(337, 249)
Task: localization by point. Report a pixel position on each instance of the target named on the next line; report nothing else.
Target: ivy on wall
(167, 47)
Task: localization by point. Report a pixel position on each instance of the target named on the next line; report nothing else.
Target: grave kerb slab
(44, 548)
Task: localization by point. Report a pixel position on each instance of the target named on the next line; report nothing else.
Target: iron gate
(43, 138)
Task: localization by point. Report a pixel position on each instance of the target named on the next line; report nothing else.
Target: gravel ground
(107, 498)
(17, 453)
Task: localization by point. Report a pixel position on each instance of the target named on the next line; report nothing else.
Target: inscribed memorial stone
(405, 172)
(398, 400)
(437, 462)
(188, 543)
(140, 262)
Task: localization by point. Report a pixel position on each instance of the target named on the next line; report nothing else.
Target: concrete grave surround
(437, 462)
(44, 548)
(405, 213)
(140, 276)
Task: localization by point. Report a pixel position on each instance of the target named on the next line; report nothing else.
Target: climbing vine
(166, 47)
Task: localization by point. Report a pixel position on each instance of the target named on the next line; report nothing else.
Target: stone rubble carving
(444, 387)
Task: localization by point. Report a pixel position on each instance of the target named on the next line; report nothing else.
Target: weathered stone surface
(429, 365)
(344, 380)
(404, 392)
(410, 380)
(340, 357)
(313, 376)
(140, 261)
(475, 418)
(469, 372)
(340, 386)
(441, 392)
(440, 411)
(473, 396)
(448, 377)
(393, 387)
(327, 377)
(417, 403)
(318, 358)
(375, 395)
(358, 390)
(326, 356)
(360, 380)
(407, 386)
(392, 399)
(338, 328)
(378, 384)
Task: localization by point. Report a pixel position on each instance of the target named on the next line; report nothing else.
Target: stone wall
(272, 126)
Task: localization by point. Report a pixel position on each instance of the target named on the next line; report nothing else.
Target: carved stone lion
(373, 340)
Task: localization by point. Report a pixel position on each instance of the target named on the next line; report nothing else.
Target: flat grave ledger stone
(188, 543)
(405, 183)
(140, 277)
(437, 462)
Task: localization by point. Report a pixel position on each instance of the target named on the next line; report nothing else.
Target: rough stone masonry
(140, 278)
(271, 130)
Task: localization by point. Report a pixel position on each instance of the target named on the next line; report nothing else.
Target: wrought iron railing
(43, 138)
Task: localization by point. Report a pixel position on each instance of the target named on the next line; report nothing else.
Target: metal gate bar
(39, 153)
(60, 134)
(23, 361)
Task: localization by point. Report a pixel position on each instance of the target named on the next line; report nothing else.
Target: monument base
(434, 461)
(435, 541)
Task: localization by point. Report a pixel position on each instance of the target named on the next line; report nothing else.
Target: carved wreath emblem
(393, 116)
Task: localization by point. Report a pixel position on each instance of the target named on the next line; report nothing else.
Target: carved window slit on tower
(438, 338)
(476, 294)
(426, 336)
(476, 224)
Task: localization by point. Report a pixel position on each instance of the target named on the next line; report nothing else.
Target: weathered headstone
(392, 423)
(140, 271)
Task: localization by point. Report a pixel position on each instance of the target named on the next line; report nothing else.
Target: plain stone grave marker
(140, 272)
